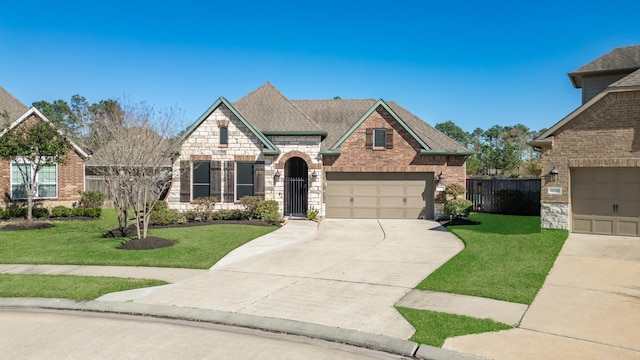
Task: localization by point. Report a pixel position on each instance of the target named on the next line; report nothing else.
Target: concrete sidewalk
(139, 272)
(588, 307)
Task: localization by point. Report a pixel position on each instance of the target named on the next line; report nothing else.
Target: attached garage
(379, 195)
(606, 201)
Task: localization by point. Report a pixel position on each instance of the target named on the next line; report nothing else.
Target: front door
(296, 191)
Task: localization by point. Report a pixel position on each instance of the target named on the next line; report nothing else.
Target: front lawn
(81, 243)
(433, 328)
(67, 286)
(505, 258)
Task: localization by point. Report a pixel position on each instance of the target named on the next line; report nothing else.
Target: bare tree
(135, 144)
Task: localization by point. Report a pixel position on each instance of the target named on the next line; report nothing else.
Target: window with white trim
(379, 138)
(46, 181)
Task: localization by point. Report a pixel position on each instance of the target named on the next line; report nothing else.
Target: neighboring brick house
(59, 184)
(344, 158)
(591, 158)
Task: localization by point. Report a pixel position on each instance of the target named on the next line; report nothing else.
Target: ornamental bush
(250, 205)
(91, 199)
(458, 208)
(61, 211)
(40, 212)
(455, 190)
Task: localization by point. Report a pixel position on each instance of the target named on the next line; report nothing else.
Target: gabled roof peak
(620, 59)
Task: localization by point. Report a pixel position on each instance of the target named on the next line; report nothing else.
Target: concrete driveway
(340, 273)
(588, 307)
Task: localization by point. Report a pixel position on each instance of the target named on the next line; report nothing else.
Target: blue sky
(475, 63)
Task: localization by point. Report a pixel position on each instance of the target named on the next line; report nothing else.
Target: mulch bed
(457, 221)
(147, 243)
(150, 242)
(23, 225)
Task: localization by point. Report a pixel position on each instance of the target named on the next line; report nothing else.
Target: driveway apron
(344, 273)
(588, 307)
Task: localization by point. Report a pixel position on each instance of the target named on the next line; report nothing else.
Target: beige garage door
(379, 195)
(606, 201)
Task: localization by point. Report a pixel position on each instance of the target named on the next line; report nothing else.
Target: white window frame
(384, 139)
(38, 183)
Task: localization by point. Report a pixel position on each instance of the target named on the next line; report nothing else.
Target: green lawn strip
(433, 328)
(68, 286)
(505, 258)
(81, 243)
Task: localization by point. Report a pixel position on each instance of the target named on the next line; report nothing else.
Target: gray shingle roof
(619, 59)
(13, 106)
(270, 111)
(632, 79)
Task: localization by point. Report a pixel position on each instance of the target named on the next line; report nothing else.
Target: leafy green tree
(455, 132)
(60, 114)
(32, 145)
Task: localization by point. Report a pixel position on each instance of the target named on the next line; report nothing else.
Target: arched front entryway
(296, 178)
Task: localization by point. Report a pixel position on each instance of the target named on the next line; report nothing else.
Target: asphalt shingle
(12, 106)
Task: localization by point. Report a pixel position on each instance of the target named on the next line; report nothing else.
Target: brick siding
(605, 135)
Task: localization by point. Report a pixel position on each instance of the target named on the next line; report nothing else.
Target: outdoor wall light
(314, 174)
(554, 174)
(276, 176)
(440, 178)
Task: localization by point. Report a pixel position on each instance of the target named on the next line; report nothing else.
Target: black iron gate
(296, 196)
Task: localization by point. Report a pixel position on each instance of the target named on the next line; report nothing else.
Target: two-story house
(591, 158)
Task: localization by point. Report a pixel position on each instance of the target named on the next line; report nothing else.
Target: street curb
(323, 332)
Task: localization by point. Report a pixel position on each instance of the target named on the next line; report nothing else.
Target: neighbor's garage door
(379, 195)
(606, 201)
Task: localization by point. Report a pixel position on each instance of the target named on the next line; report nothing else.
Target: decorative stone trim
(295, 153)
(244, 158)
(609, 162)
(199, 157)
(223, 123)
(554, 216)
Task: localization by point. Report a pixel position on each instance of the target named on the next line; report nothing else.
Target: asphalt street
(48, 334)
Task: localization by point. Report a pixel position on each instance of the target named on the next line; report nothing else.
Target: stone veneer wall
(308, 149)
(607, 134)
(554, 216)
(204, 145)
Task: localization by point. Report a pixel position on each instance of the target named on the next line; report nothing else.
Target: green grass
(67, 286)
(505, 258)
(81, 243)
(433, 328)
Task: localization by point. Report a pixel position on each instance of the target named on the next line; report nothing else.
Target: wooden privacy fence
(505, 196)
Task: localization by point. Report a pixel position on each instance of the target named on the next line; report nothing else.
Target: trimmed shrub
(93, 212)
(61, 211)
(78, 211)
(191, 215)
(265, 208)
(15, 212)
(2, 214)
(92, 199)
(40, 212)
(457, 208)
(162, 215)
(227, 214)
(455, 190)
(250, 204)
(204, 207)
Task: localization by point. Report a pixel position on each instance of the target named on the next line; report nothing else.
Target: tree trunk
(29, 208)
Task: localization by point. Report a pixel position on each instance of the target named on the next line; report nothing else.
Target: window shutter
(229, 182)
(185, 181)
(369, 139)
(388, 143)
(258, 179)
(215, 185)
